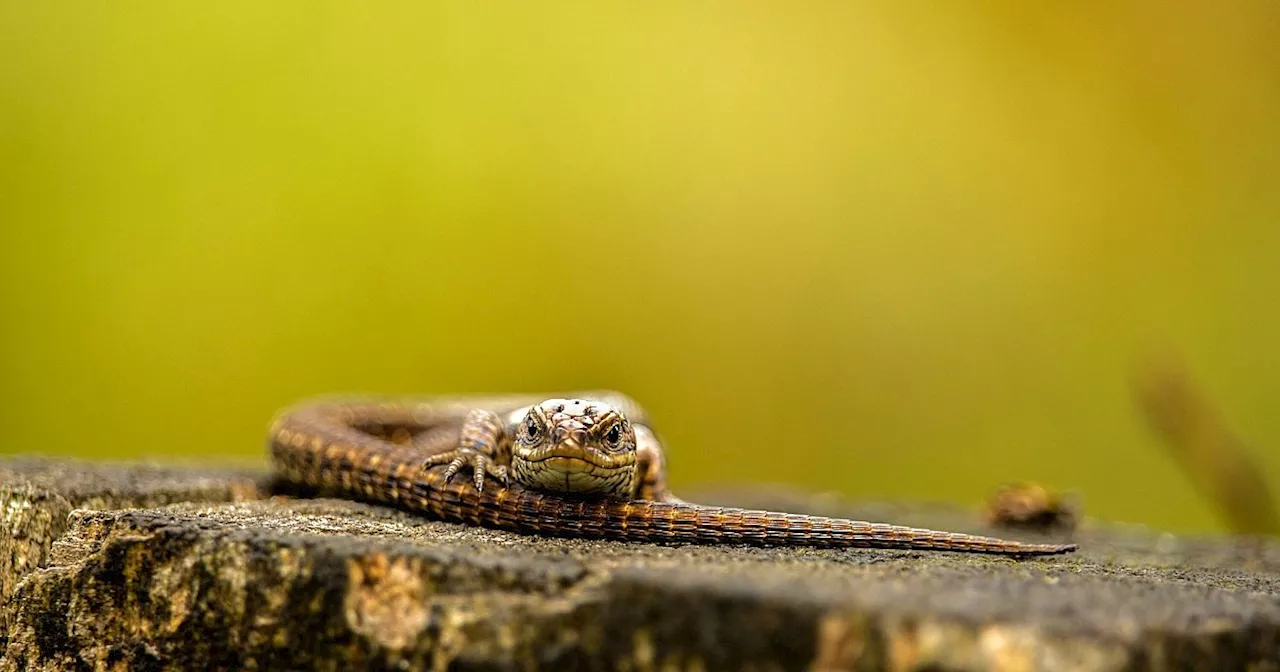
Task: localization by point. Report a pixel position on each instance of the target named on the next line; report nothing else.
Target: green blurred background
(915, 248)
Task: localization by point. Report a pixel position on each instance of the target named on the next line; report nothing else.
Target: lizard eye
(532, 428)
(614, 436)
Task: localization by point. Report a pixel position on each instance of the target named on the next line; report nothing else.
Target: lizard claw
(479, 462)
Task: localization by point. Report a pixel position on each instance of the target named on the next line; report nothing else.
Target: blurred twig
(1213, 457)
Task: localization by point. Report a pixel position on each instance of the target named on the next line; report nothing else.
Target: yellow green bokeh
(885, 249)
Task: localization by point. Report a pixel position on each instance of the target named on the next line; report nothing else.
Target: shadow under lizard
(587, 465)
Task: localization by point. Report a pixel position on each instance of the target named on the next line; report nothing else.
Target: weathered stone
(210, 571)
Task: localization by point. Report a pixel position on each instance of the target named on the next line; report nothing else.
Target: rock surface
(135, 567)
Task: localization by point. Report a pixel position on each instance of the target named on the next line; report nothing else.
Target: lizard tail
(693, 523)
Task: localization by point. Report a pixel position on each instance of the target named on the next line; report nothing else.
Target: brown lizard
(587, 465)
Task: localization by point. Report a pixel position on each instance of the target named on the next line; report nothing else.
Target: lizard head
(575, 445)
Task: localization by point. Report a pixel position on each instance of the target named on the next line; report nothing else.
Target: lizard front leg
(483, 444)
(651, 468)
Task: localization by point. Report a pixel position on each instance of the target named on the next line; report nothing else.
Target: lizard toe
(478, 466)
(454, 466)
(439, 458)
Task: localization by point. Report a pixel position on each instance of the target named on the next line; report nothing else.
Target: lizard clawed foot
(467, 456)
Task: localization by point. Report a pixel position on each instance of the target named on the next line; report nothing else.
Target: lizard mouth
(562, 463)
(572, 474)
(572, 467)
(570, 456)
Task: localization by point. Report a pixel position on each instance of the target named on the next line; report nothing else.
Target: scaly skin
(583, 466)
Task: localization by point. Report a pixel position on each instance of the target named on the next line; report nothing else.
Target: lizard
(584, 464)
